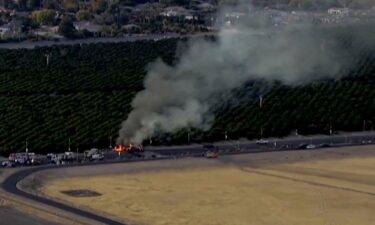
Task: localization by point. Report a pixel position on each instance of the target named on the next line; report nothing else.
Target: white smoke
(180, 96)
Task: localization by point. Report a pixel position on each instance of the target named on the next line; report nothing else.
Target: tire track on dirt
(249, 170)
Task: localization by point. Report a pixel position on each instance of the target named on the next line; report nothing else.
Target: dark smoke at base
(181, 96)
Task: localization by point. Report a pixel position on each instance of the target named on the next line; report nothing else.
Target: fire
(125, 148)
(119, 148)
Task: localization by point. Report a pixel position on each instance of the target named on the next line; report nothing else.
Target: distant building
(4, 31)
(338, 11)
(19, 14)
(131, 28)
(11, 29)
(174, 11)
(89, 26)
(48, 31)
(206, 7)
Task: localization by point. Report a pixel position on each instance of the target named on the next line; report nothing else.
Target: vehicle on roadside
(311, 146)
(93, 154)
(51, 155)
(7, 163)
(366, 142)
(69, 156)
(97, 156)
(262, 142)
(302, 146)
(211, 154)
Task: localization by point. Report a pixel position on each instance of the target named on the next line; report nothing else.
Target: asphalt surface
(9, 184)
(132, 38)
(10, 216)
(273, 144)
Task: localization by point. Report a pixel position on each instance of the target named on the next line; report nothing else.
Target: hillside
(84, 94)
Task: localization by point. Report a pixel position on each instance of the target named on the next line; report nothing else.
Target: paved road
(9, 184)
(31, 45)
(273, 144)
(10, 216)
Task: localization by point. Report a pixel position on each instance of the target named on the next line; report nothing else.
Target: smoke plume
(181, 95)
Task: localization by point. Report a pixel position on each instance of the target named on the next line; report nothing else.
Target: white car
(20, 160)
(262, 142)
(51, 155)
(311, 146)
(97, 156)
(7, 163)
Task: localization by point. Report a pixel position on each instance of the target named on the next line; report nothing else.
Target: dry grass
(324, 192)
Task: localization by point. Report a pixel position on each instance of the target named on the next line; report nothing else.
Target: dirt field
(330, 187)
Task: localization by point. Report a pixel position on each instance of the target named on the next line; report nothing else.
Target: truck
(93, 154)
(211, 154)
(23, 158)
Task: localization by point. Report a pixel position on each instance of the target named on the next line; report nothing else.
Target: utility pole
(110, 142)
(260, 109)
(330, 129)
(260, 101)
(226, 135)
(150, 141)
(26, 149)
(48, 57)
(188, 137)
(69, 146)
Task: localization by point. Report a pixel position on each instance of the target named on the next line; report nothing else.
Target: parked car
(310, 146)
(51, 155)
(262, 142)
(7, 163)
(97, 156)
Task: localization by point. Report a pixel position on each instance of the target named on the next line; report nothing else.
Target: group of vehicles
(94, 154)
(31, 159)
(21, 159)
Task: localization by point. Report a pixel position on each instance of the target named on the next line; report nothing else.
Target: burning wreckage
(133, 149)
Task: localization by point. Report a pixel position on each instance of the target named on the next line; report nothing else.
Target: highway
(10, 185)
(128, 38)
(10, 216)
(236, 147)
(273, 144)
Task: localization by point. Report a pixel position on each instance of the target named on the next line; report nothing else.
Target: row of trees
(83, 92)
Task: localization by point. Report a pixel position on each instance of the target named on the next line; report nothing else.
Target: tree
(83, 15)
(50, 4)
(44, 16)
(70, 5)
(99, 6)
(66, 28)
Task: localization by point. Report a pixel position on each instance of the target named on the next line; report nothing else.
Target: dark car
(302, 146)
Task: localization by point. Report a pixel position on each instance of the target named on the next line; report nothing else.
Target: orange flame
(125, 148)
(119, 148)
